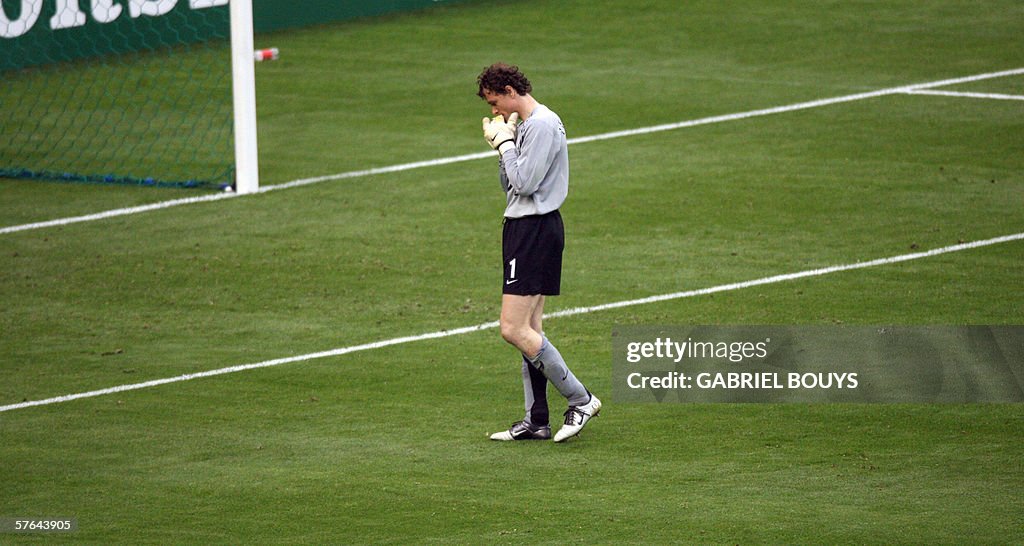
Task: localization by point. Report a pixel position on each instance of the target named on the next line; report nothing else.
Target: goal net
(117, 92)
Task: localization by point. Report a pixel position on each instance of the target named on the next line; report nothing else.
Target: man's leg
(535, 385)
(535, 425)
(520, 326)
(517, 320)
(535, 395)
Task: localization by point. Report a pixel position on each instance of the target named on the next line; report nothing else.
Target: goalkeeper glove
(501, 135)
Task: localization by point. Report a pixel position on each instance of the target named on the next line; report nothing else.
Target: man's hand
(499, 134)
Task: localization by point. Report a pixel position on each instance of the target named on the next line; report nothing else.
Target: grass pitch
(389, 445)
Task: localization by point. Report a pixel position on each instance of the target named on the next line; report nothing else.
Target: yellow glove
(499, 134)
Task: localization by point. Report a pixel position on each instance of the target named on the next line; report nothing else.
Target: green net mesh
(140, 99)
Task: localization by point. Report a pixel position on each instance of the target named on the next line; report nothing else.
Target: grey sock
(550, 362)
(535, 392)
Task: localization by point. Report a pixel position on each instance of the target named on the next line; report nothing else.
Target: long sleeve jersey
(535, 174)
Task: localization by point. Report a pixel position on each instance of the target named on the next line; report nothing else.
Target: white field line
(379, 170)
(471, 157)
(117, 212)
(492, 325)
(996, 96)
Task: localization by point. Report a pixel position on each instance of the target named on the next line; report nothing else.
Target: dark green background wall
(181, 25)
(278, 14)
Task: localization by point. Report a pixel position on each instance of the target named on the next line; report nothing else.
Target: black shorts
(531, 249)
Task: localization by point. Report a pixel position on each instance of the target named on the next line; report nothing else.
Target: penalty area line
(966, 94)
(905, 89)
(491, 325)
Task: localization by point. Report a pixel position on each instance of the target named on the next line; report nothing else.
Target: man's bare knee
(517, 315)
(513, 333)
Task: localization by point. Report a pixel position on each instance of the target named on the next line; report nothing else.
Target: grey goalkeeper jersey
(535, 174)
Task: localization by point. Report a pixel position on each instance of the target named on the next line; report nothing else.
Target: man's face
(503, 104)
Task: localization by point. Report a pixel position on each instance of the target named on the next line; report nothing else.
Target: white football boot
(576, 417)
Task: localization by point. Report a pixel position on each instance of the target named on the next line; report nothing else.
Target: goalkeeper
(534, 174)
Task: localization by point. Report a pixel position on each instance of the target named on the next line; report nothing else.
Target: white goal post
(243, 77)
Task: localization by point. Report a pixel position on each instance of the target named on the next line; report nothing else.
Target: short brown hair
(494, 78)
